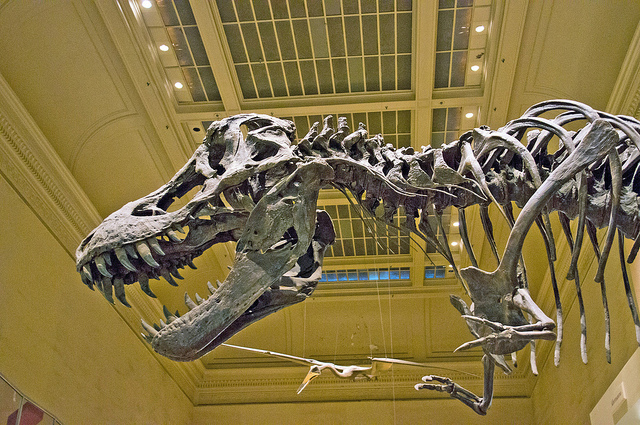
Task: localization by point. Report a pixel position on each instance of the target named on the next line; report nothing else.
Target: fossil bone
(260, 191)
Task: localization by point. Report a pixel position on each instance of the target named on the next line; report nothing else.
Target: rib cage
(504, 166)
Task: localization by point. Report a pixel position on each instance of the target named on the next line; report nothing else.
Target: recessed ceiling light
(480, 28)
(454, 243)
(178, 85)
(456, 223)
(474, 68)
(165, 48)
(469, 115)
(147, 5)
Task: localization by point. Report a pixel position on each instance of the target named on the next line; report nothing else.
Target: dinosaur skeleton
(261, 191)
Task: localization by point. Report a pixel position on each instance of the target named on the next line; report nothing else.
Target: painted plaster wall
(567, 394)
(62, 345)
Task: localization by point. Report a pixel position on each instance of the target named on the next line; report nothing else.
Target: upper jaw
(124, 250)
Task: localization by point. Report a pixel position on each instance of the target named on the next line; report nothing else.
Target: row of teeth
(105, 279)
(154, 329)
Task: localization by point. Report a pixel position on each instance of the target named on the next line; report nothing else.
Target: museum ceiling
(119, 94)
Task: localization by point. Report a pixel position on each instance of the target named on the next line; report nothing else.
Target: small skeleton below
(355, 373)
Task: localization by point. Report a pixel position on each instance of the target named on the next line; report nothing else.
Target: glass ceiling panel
(358, 237)
(320, 47)
(445, 126)
(460, 42)
(173, 29)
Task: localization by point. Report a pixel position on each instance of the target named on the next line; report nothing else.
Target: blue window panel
(405, 274)
(373, 275)
(429, 272)
(353, 274)
(323, 278)
(384, 274)
(342, 275)
(394, 274)
(440, 272)
(363, 275)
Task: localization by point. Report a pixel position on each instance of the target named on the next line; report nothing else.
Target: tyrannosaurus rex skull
(253, 190)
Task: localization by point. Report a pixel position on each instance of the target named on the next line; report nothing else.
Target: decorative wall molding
(279, 385)
(33, 168)
(36, 171)
(625, 97)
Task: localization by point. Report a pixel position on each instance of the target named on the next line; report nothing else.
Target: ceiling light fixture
(147, 5)
(456, 223)
(454, 243)
(178, 85)
(164, 47)
(480, 28)
(469, 115)
(474, 68)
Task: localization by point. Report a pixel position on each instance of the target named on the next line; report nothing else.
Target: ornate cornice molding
(625, 97)
(279, 385)
(33, 167)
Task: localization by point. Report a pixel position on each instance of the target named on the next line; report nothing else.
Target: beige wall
(445, 411)
(62, 345)
(567, 394)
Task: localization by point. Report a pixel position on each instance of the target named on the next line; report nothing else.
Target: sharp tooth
(170, 316)
(162, 324)
(86, 271)
(174, 271)
(144, 284)
(146, 337)
(124, 259)
(106, 289)
(199, 299)
(101, 266)
(165, 273)
(156, 327)
(98, 283)
(166, 312)
(212, 289)
(218, 283)
(190, 264)
(149, 328)
(145, 253)
(118, 283)
(171, 234)
(86, 281)
(131, 251)
(177, 227)
(189, 302)
(85, 274)
(153, 243)
(107, 258)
